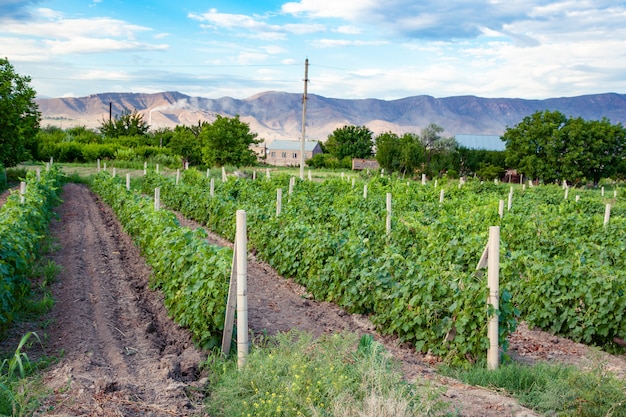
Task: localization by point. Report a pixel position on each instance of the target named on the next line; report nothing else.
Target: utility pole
(304, 99)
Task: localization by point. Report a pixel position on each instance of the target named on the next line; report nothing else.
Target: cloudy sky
(356, 48)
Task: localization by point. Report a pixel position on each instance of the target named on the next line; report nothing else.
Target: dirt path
(124, 356)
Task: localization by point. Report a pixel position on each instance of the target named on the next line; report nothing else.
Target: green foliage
(332, 241)
(325, 160)
(18, 395)
(296, 375)
(192, 274)
(22, 227)
(186, 143)
(227, 141)
(550, 146)
(489, 172)
(125, 124)
(350, 142)
(554, 389)
(19, 115)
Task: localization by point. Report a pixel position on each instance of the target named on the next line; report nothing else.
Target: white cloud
(334, 43)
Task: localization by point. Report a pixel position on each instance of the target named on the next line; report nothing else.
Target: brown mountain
(278, 115)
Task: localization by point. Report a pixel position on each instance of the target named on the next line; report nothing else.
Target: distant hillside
(278, 115)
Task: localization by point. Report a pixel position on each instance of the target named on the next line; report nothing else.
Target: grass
(553, 389)
(19, 391)
(21, 386)
(294, 374)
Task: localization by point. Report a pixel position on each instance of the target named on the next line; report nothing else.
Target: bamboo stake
(388, 223)
(22, 191)
(279, 201)
(493, 283)
(242, 289)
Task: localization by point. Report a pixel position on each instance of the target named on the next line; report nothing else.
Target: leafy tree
(404, 154)
(433, 144)
(125, 124)
(388, 151)
(185, 142)
(350, 142)
(550, 146)
(227, 141)
(19, 115)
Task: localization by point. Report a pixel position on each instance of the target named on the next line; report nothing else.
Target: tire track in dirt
(122, 354)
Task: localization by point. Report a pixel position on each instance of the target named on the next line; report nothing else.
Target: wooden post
(105, 167)
(157, 168)
(47, 169)
(186, 165)
(177, 175)
(423, 179)
(98, 164)
(577, 198)
(267, 173)
(353, 182)
(254, 175)
(607, 214)
(208, 172)
(501, 208)
(521, 178)
(602, 191)
(310, 177)
(38, 174)
(22, 191)
(128, 181)
(566, 193)
(510, 202)
(388, 223)
(365, 192)
(242, 289)
(279, 201)
(145, 168)
(157, 198)
(493, 283)
(212, 188)
(224, 179)
(441, 195)
(114, 172)
(292, 181)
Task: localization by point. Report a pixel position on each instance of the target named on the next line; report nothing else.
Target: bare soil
(122, 355)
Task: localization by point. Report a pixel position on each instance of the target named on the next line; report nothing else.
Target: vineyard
(23, 222)
(562, 268)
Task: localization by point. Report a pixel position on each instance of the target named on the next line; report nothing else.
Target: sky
(391, 49)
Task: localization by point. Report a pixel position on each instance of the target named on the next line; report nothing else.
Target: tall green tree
(350, 142)
(185, 142)
(19, 115)
(549, 146)
(436, 144)
(399, 153)
(227, 141)
(125, 124)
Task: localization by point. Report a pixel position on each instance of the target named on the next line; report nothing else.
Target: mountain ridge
(278, 115)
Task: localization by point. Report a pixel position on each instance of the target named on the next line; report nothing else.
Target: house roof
(486, 142)
(291, 145)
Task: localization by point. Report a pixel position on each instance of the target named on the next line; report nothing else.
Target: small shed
(287, 152)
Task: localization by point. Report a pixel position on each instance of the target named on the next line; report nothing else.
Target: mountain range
(278, 115)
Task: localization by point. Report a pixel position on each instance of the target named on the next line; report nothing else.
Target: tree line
(545, 146)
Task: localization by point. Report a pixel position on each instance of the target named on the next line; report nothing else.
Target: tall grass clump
(554, 389)
(18, 392)
(295, 374)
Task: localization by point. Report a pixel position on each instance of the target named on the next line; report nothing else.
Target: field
(124, 355)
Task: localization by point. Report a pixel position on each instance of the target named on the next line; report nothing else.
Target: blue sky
(356, 48)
